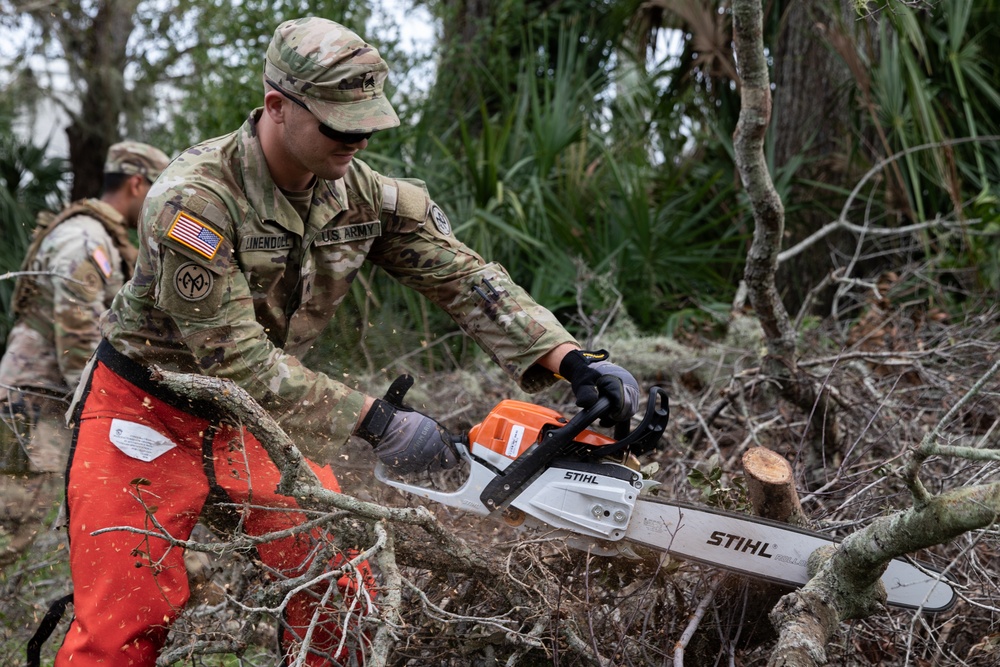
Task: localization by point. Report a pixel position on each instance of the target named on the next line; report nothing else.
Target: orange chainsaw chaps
(498, 432)
(130, 586)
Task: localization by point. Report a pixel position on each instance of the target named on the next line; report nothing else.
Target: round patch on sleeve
(192, 281)
(440, 220)
(87, 281)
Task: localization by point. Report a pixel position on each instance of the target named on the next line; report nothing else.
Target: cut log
(771, 487)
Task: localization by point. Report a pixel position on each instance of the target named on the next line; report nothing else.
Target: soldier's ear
(274, 106)
(135, 185)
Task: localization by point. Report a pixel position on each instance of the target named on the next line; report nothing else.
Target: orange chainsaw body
(514, 426)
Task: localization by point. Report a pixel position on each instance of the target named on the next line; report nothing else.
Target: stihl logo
(580, 477)
(737, 543)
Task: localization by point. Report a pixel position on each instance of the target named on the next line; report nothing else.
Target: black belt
(142, 377)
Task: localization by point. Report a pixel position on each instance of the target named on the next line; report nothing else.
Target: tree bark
(812, 120)
(768, 211)
(769, 225)
(811, 111)
(846, 584)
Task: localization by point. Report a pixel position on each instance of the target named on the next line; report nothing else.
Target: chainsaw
(532, 468)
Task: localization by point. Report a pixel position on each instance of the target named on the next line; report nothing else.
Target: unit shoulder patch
(192, 281)
(87, 281)
(441, 221)
(194, 234)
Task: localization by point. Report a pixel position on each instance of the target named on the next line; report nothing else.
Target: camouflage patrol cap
(132, 157)
(333, 72)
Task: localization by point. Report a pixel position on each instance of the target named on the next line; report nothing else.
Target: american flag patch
(102, 261)
(195, 235)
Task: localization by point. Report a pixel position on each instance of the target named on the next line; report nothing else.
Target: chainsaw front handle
(465, 498)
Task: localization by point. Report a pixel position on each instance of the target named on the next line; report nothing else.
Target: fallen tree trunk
(846, 582)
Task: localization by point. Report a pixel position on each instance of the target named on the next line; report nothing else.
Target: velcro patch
(390, 194)
(101, 259)
(356, 232)
(412, 201)
(193, 233)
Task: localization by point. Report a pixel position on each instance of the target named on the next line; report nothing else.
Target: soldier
(78, 260)
(247, 245)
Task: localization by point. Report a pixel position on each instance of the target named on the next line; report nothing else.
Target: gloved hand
(593, 376)
(404, 439)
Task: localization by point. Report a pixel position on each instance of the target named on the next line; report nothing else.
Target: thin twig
(694, 621)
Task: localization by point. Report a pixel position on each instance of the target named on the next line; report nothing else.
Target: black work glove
(404, 439)
(593, 376)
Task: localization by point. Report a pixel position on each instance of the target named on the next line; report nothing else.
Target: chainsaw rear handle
(560, 443)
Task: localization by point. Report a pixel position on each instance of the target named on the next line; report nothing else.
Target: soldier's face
(140, 188)
(314, 150)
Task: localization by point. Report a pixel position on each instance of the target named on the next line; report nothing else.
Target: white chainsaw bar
(766, 550)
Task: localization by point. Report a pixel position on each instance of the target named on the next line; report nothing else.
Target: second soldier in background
(75, 265)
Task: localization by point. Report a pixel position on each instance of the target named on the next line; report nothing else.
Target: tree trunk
(811, 111)
(97, 54)
(745, 603)
(812, 121)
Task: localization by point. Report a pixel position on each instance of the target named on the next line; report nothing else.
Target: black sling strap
(45, 628)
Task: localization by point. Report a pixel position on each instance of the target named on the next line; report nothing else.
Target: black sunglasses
(327, 131)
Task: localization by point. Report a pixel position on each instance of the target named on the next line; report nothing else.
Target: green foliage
(486, 47)
(553, 190)
(937, 80)
(715, 493)
(605, 185)
(29, 184)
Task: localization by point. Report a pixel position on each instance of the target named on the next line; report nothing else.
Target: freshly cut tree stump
(771, 490)
(771, 487)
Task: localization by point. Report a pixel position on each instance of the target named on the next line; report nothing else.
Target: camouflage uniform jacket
(57, 319)
(230, 282)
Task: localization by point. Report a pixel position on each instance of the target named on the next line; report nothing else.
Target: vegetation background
(587, 146)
